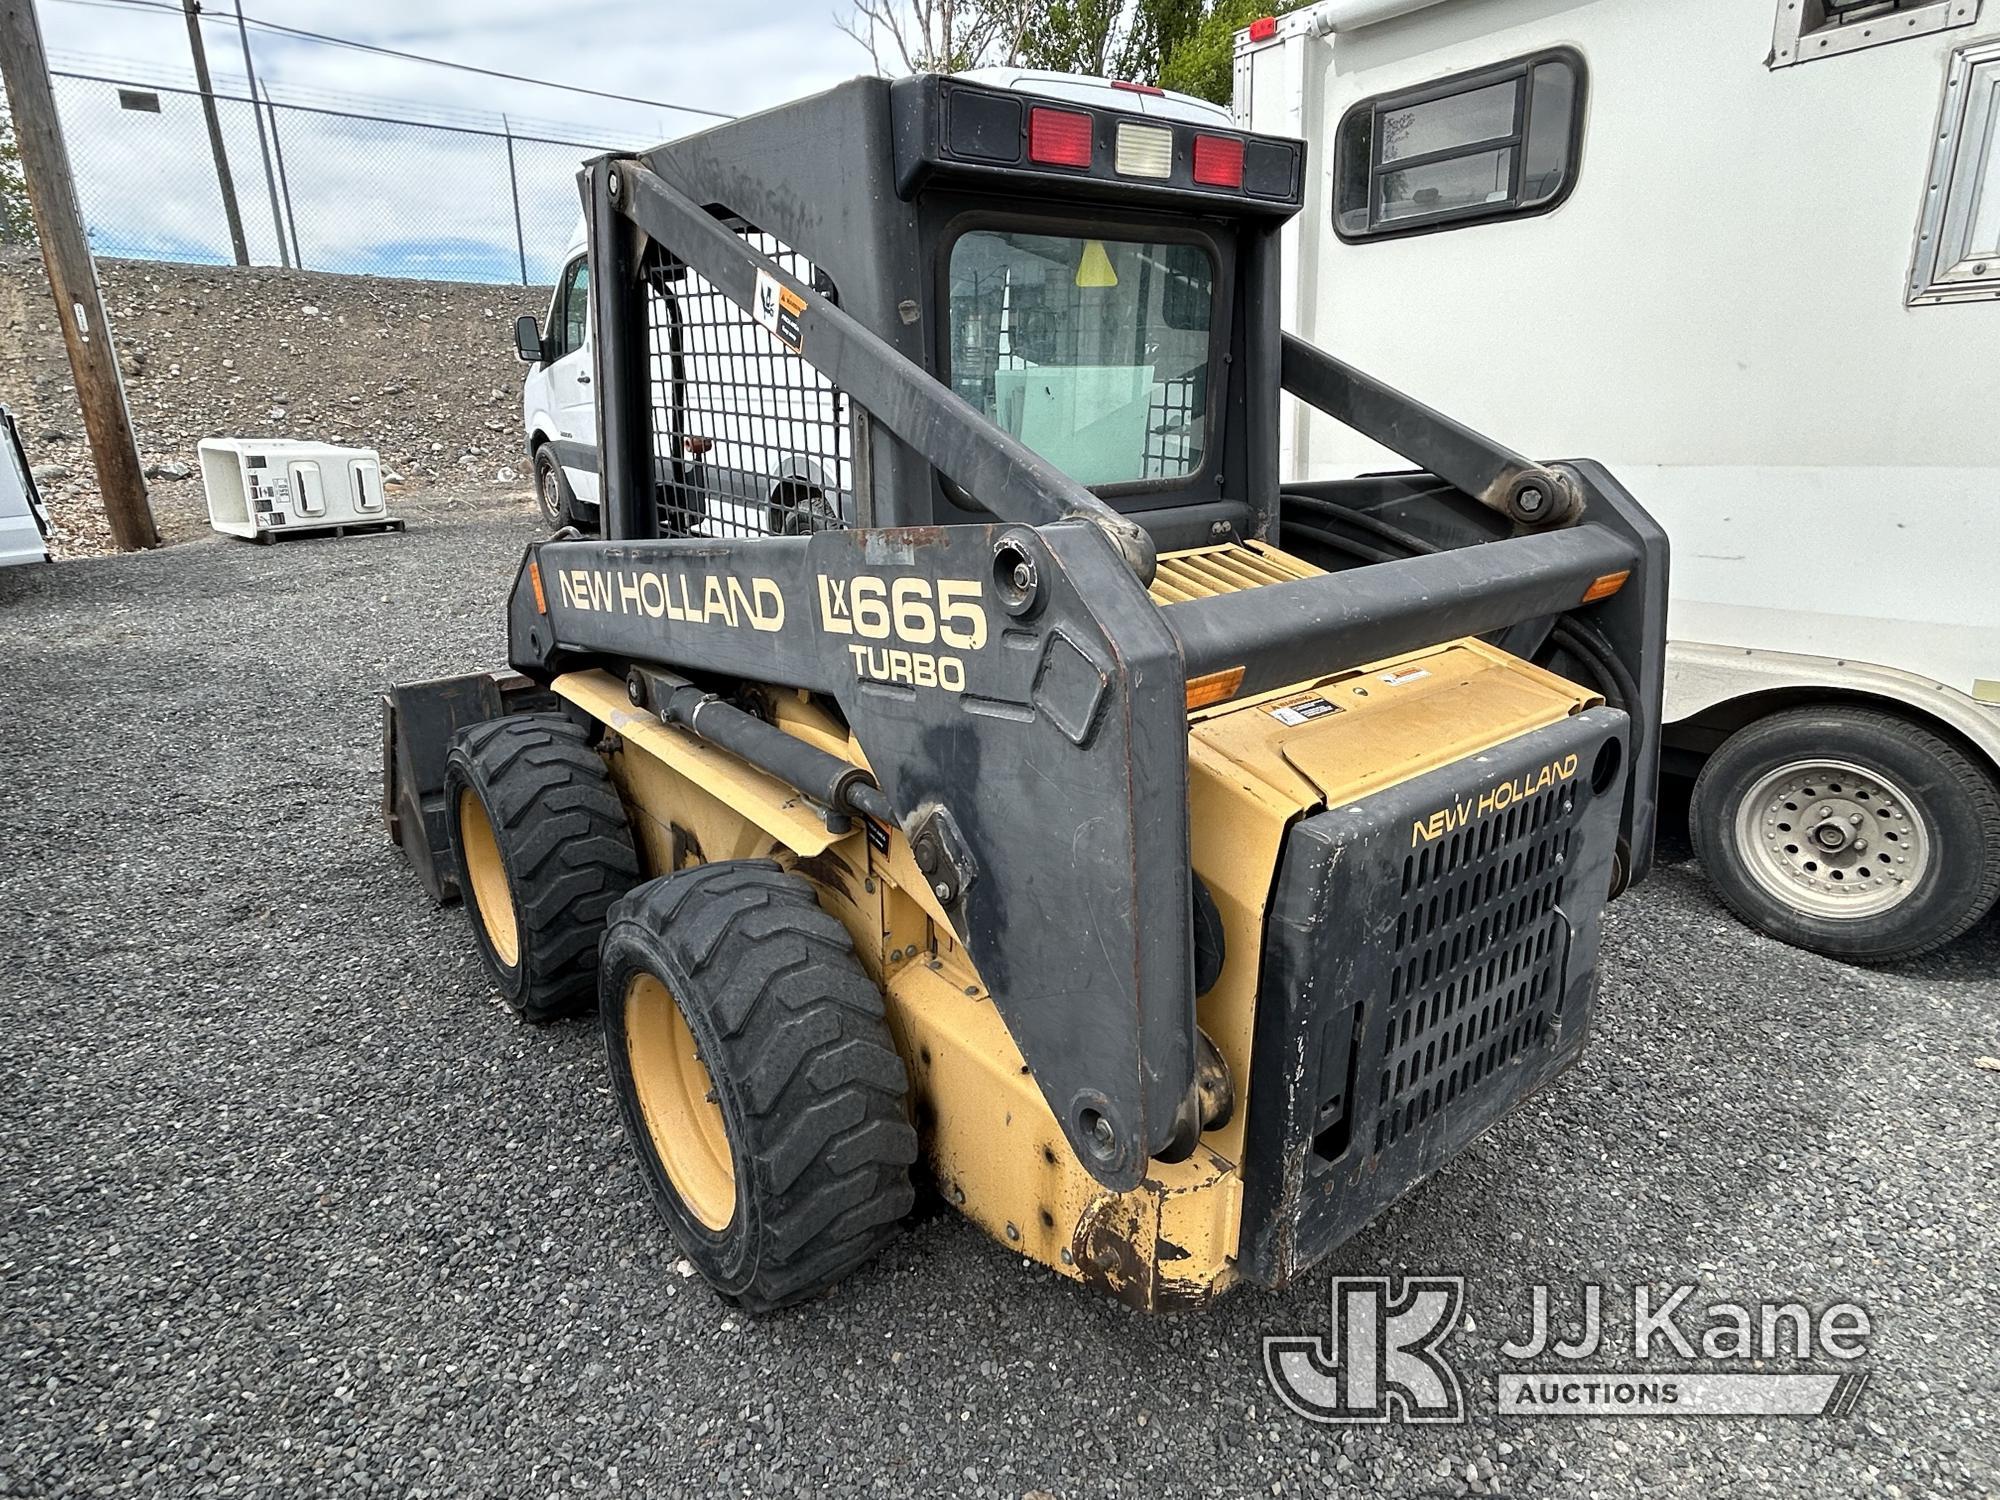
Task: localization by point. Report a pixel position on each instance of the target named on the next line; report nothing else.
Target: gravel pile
(423, 371)
(290, 1207)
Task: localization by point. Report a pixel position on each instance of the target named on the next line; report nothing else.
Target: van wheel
(543, 849)
(800, 510)
(757, 1078)
(1854, 833)
(553, 496)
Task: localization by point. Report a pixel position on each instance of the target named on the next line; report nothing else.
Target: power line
(437, 62)
(102, 67)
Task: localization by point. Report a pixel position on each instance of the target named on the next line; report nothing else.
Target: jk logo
(1381, 1360)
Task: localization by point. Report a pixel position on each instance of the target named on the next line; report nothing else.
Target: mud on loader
(962, 756)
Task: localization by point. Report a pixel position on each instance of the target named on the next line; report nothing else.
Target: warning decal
(779, 309)
(1304, 710)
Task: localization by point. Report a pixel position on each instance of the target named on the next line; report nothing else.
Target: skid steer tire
(543, 849)
(757, 1079)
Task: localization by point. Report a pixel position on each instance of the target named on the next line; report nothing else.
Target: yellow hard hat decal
(1095, 267)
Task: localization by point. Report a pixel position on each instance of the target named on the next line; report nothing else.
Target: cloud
(389, 198)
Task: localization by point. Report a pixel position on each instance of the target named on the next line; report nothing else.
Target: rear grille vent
(1478, 957)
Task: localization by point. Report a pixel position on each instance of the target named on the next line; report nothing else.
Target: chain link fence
(317, 189)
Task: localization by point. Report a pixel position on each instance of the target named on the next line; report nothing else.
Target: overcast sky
(364, 195)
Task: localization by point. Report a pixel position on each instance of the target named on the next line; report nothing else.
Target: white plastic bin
(265, 487)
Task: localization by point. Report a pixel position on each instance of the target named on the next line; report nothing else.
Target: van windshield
(1092, 351)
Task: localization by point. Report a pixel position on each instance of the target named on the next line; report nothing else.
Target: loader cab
(1102, 289)
(1095, 271)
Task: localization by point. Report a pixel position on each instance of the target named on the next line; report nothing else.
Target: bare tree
(924, 36)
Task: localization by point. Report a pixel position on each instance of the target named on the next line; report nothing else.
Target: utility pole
(222, 178)
(93, 362)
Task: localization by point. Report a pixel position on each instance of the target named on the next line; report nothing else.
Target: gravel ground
(289, 1206)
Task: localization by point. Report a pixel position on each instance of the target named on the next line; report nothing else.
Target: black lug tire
(565, 845)
(553, 496)
(1956, 796)
(803, 1068)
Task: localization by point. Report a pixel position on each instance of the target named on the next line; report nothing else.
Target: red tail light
(1263, 28)
(1218, 161)
(1139, 88)
(1060, 138)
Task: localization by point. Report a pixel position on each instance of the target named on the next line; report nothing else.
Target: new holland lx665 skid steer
(961, 756)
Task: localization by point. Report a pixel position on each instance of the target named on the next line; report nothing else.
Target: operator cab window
(569, 314)
(1498, 143)
(1092, 351)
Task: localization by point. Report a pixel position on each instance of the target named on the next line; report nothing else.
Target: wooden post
(93, 362)
(223, 180)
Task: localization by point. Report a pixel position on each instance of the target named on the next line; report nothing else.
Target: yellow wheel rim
(677, 1097)
(490, 896)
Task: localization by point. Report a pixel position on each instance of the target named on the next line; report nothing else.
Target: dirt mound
(423, 371)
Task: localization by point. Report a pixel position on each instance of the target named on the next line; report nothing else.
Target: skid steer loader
(1030, 795)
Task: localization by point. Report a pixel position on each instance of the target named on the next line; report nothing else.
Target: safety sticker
(779, 309)
(1408, 674)
(877, 835)
(1304, 710)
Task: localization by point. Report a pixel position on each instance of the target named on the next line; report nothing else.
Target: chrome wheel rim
(1833, 839)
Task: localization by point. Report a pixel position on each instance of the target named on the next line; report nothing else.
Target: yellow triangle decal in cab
(1095, 267)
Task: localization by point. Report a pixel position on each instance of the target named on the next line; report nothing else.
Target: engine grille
(1477, 958)
(1227, 568)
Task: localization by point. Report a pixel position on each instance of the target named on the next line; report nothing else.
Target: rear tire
(542, 849)
(1849, 831)
(758, 1082)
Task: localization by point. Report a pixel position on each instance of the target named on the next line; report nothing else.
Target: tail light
(1061, 138)
(1263, 28)
(1218, 161)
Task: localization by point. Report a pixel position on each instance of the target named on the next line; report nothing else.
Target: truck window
(1958, 237)
(570, 315)
(1495, 143)
(1092, 351)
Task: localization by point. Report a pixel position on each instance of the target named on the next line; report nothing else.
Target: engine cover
(1430, 961)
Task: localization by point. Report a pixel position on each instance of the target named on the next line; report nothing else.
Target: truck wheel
(1851, 832)
(553, 496)
(543, 849)
(757, 1079)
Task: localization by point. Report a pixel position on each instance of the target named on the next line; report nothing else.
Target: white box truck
(1747, 252)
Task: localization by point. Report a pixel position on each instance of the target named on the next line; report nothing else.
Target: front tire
(757, 1079)
(543, 849)
(1849, 831)
(553, 496)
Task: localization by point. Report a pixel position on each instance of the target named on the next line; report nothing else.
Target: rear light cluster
(1068, 138)
(987, 129)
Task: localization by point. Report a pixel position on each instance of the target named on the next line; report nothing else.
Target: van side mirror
(528, 339)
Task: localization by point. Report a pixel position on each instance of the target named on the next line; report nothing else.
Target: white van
(1747, 254)
(721, 488)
